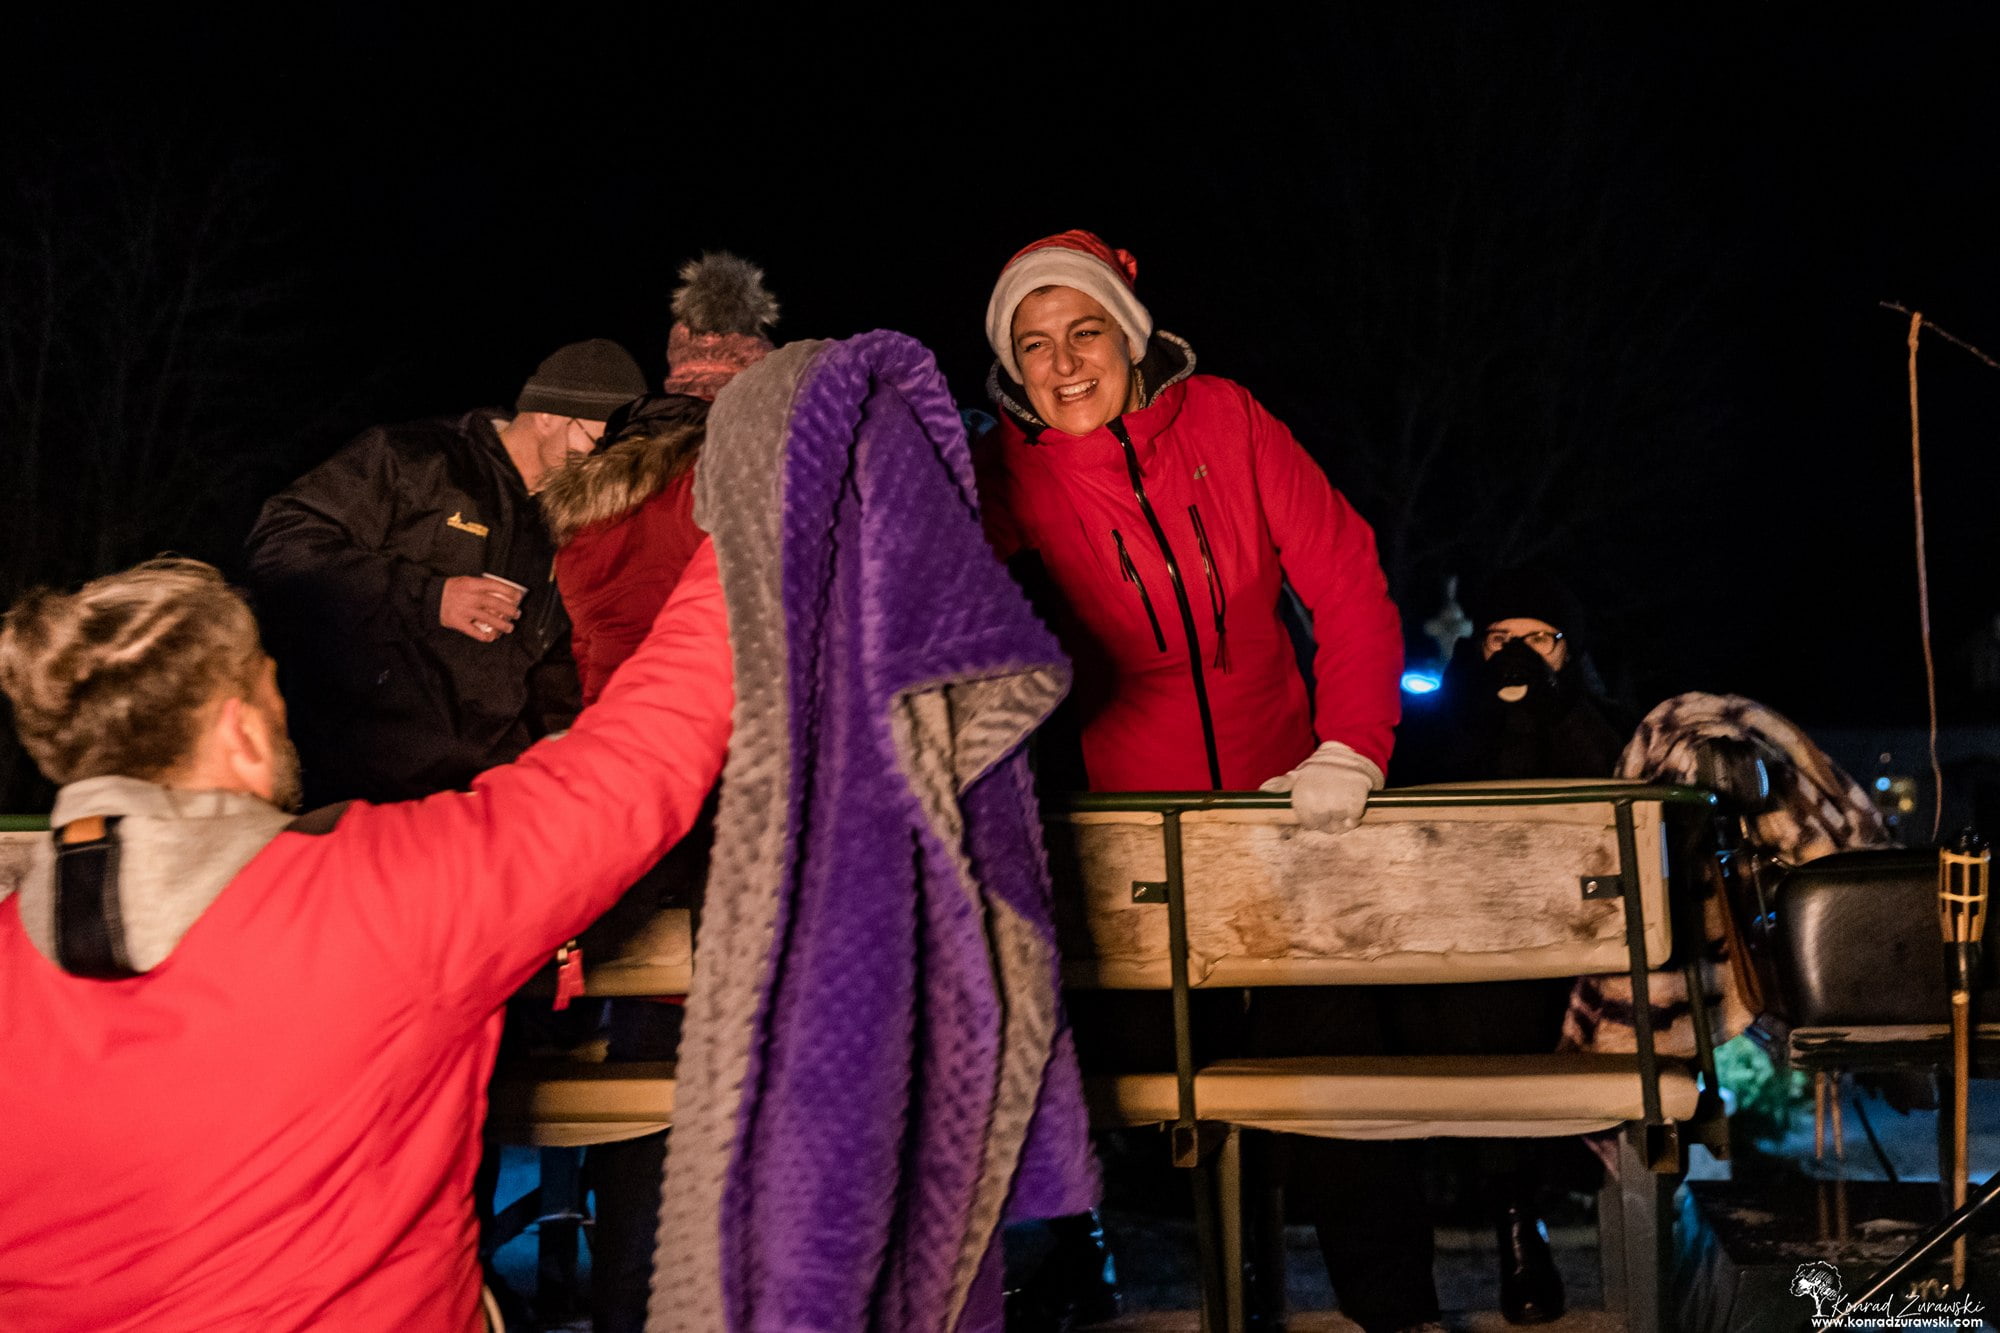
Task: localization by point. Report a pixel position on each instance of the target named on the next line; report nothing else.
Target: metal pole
(1204, 1176)
(1913, 1258)
(1635, 946)
(1177, 961)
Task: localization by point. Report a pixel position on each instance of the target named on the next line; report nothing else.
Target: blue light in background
(1421, 682)
(1881, 784)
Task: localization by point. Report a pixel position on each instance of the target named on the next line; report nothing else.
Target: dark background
(1533, 282)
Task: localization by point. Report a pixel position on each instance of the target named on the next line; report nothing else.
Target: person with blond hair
(247, 1054)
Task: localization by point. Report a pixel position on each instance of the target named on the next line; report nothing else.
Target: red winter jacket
(623, 523)
(1231, 506)
(276, 1128)
(614, 576)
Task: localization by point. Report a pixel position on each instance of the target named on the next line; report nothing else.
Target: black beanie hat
(1527, 594)
(651, 414)
(587, 380)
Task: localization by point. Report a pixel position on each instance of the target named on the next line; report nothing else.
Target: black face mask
(1518, 676)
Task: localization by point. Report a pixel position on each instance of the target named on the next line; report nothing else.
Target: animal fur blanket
(1815, 809)
(874, 1064)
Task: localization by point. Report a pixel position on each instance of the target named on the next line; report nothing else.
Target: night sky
(1648, 251)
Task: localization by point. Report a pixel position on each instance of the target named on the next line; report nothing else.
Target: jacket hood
(608, 485)
(1168, 360)
(171, 853)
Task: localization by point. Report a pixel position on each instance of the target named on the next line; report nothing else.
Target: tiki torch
(1962, 916)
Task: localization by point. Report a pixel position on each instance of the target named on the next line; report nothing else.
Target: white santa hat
(1077, 259)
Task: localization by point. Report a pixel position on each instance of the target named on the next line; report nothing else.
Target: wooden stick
(1924, 582)
(1839, 1130)
(1819, 1116)
(1961, 1097)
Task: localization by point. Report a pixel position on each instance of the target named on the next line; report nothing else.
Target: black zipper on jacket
(1124, 438)
(1131, 573)
(1218, 600)
(551, 599)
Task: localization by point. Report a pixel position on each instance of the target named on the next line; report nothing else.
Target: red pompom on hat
(1077, 259)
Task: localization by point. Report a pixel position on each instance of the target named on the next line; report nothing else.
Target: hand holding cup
(481, 606)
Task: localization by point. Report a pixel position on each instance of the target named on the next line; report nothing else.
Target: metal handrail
(1393, 798)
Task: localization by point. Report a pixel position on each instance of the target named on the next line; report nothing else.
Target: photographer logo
(1925, 1307)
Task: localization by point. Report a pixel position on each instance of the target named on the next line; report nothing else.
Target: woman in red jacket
(1169, 510)
(623, 517)
(624, 529)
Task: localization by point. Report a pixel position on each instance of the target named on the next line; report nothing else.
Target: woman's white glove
(1330, 789)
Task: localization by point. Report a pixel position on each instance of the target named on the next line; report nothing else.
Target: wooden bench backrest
(1417, 893)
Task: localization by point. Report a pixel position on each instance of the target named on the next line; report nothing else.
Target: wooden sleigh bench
(1188, 892)
(562, 1104)
(575, 1103)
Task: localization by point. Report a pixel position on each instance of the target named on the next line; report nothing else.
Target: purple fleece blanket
(874, 1064)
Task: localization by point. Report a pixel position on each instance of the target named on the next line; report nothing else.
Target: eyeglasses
(1541, 640)
(578, 423)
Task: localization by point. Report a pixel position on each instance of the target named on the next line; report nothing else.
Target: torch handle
(1961, 1098)
(1961, 960)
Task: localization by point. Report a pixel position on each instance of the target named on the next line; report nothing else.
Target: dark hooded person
(247, 1055)
(1519, 700)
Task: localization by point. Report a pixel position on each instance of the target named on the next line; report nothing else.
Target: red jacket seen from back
(277, 1127)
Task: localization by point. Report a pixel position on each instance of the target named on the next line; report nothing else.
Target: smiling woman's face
(1074, 360)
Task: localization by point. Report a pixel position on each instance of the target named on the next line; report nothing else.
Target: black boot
(1531, 1290)
(1079, 1283)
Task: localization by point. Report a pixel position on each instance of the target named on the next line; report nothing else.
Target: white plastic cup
(520, 589)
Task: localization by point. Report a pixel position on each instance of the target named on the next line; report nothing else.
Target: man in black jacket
(406, 586)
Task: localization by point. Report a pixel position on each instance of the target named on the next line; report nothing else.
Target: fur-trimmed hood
(610, 484)
(1168, 360)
